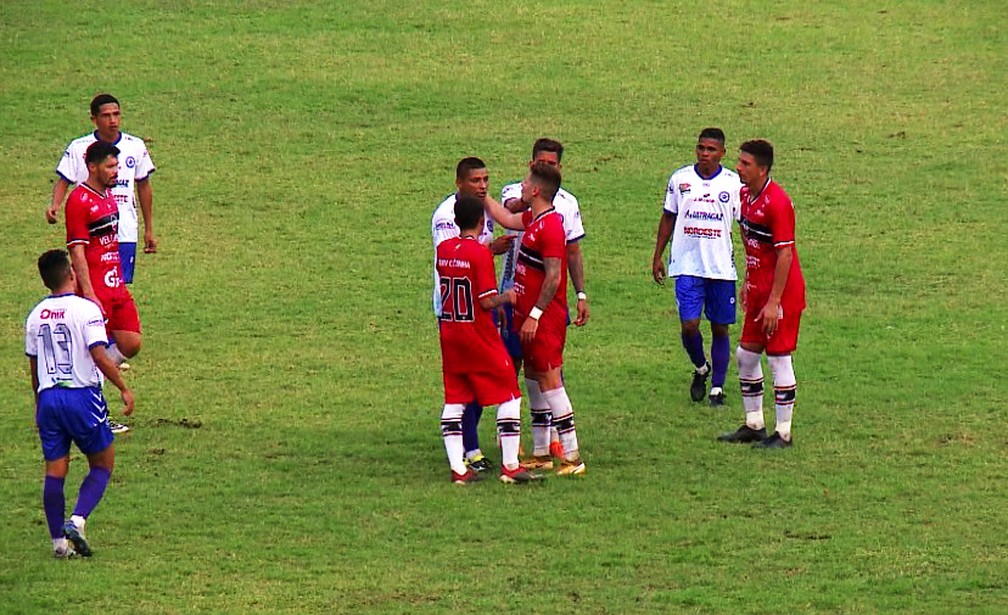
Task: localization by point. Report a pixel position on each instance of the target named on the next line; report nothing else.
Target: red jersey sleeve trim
(489, 293)
(74, 242)
(781, 244)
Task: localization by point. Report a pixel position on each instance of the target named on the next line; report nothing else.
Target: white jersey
(135, 165)
(443, 227)
(565, 203)
(705, 210)
(60, 333)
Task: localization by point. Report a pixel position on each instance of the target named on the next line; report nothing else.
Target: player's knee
(747, 360)
(719, 330)
(783, 370)
(690, 328)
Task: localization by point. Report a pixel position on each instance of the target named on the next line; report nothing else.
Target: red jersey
(92, 219)
(768, 224)
(469, 339)
(544, 238)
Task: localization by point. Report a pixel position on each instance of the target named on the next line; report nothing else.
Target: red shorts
(487, 388)
(783, 341)
(120, 312)
(545, 352)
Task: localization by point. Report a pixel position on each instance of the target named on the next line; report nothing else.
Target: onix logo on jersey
(112, 279)
(46, 314)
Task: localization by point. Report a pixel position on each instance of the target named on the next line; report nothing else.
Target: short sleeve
(573, 226)
(485, 278)
(672, 197)
(76, 218)
(31, 339)
(442, 228)
(782, 224)
(145, 165)
(510, 191)
(93, 325)
(71, 166)
(552, 243)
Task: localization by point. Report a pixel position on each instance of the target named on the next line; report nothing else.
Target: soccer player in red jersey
(773, 297)
(540, 310)
(475, 363)
(92, 220)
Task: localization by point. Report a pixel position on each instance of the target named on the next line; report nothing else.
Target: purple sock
(91, 491)
(720, 353)
(694, 348)
(470, 421)
(54, 505)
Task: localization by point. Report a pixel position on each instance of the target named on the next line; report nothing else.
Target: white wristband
(535, 313)
(582, 296)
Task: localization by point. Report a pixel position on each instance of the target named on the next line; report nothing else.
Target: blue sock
(720, 353)
(470, 422)
(91, 491)
(54, 505)
(694, 348)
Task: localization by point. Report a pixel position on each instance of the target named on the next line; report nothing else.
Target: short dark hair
(466, 165)
(547, 178)
(99, 151)
(468, 211)
(761, 150)
(547, 145)
(54, 267)
(712, 133)
(100, 101)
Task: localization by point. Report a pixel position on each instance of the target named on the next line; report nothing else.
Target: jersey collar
(696, 169)
(548, 211)
(116, 142)
(753, 197)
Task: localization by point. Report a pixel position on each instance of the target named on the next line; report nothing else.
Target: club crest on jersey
(130, 162)
(723, 196)
(684, 188)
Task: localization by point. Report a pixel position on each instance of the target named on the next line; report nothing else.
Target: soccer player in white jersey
(548, 152)
(701, 204)
(133, 184)
(471, 179)
(65, 343)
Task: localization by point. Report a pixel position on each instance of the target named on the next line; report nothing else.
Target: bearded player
(476, 366)
(92, 220)
(540, 310)
(773, 297)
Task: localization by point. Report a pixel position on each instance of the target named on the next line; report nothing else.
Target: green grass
(301, 150)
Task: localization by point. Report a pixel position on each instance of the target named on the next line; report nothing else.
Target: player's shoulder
(566, 197)
(777, 193)
(685, 170)
(729, 175)
(445, 210)
(82, 142)
(511, 191)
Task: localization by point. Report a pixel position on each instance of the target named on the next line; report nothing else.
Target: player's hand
(658, 271)
(583, 313)
(150, 243)
(770, 316)
(528, 330)
(97, 301)
(127, 398)
(502, 244)
(51, 215)
(508, 297)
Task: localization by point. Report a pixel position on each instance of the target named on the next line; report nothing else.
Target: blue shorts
(511, 340)
(715, 297)
(127, 260)
(78, 415)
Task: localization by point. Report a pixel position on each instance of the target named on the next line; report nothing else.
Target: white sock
(59, 544)
(751, 380)
(473, 454)
(509, 428)
(563, 418)
(451, 431)
(79, 521)
(785, 387)
(113, 352)
(540, 411)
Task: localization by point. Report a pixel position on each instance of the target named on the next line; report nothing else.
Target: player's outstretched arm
(59, 191)
(501, 215)
(112, 373)
(665, 227)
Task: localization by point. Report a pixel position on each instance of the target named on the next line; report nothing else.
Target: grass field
(286, 454)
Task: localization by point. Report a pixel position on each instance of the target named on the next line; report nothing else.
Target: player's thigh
(719, 301)
(122, 314)
(497, 387)
(785, 337)
(53, 434)
(689, 292)
(127, 260)
(545, 351)
(752, 330)
(457, 388)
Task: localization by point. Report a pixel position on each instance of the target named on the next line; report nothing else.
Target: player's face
(748, 170)
(548, 158)
(107, 171)
(709, 153)
(529, 190)
(475, 183)
(107, 120)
